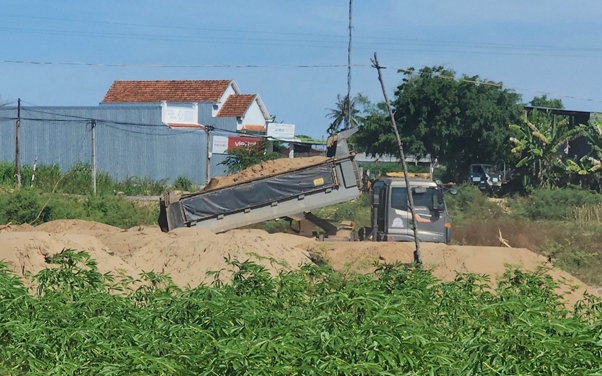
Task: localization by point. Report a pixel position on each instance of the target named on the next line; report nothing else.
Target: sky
(294, 53)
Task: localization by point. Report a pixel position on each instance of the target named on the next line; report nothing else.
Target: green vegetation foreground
(313, 321)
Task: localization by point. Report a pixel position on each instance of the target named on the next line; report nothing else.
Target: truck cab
(391, 218)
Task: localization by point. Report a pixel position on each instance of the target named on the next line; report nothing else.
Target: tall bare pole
(208, 154)
(348, 117)
(417, 253)
(17, 145)
(93, 131)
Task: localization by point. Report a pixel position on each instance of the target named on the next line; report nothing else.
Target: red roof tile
(236, 105)
(253, 128)
(170, 91)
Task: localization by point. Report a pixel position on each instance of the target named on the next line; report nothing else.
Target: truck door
(398, 216)
(431, 215)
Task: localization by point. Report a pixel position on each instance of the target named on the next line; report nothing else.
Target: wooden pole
(417, 253)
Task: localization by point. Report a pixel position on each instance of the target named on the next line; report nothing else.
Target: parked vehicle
(486, 176)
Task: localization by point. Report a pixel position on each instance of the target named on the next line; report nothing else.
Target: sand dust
(263, 169)
(187, 254)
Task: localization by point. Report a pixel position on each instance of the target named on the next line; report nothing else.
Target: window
(399, 199)
(428, 199)
(424, 200)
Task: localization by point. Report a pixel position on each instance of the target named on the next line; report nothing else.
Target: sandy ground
(187, 254)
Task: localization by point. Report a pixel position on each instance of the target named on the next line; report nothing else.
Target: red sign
(236, 142)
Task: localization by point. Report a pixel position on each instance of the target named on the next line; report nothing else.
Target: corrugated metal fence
(131, 141)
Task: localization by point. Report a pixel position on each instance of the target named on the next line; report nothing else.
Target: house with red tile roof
(249, 111)
(228, 107)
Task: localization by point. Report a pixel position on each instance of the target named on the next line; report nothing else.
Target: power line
(369, 39)
(394, 45)
(131, 131)
(107, 122)
(173, 27)
(176, 65)
(413, 73)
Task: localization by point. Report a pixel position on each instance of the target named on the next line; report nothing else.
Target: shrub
(182, 183)
(555, 204)
(22, 207)
(470, 204)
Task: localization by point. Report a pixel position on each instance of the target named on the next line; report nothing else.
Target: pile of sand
(187, 254)
(445, 261)
(263, 169)
(26, 251)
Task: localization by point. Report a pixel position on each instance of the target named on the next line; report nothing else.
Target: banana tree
(540, 141)
(593, 160)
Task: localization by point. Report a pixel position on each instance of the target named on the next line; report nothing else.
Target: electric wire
(244, 39)
(115, 122)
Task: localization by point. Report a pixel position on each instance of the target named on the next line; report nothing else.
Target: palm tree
(346, 112)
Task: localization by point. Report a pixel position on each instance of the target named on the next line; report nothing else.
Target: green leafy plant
(401, 320)
(182, 183)
(242, 157)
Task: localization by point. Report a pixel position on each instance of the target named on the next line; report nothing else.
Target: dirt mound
(444, 261)
(27, 251)
(75, 225)
(187, 254)
(263, 169)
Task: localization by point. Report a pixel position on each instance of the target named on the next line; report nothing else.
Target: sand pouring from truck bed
(264, 169)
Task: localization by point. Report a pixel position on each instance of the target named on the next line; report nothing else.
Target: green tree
(543, 101)
(458, 121)
(242, 157)
(586, 170)
(346, 111)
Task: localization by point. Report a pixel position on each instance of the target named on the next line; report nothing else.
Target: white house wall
(253, 116)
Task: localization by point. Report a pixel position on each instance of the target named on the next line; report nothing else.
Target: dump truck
(391, 217)
(293, 194)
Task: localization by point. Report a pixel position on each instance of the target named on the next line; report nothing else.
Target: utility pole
(208, 128)
(417, 253)
(93, 164)
(348, 121)
(17, 145)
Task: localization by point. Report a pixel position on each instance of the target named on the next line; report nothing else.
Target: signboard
(179, 114)
(281, 131)
(220, 145)
(223, 143)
